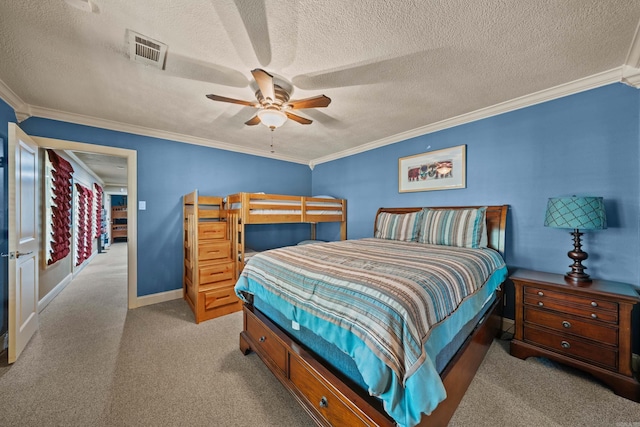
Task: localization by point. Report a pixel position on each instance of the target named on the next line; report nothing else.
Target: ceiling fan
(273, 103)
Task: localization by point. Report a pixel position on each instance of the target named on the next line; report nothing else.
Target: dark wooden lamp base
(577, 274)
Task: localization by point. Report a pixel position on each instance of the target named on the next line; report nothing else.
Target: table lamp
(577, 213)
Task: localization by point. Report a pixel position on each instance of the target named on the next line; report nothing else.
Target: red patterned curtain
(98, 211)
(60, 240)
(84, 236)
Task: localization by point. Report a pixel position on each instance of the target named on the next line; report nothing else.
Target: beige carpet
(93, 363)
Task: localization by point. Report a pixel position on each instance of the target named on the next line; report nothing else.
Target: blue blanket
(382, 302)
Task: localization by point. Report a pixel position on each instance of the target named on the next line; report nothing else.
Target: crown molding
(47, 113)
(631, 76)
(625, 74)
(576, 86)
(21, 109)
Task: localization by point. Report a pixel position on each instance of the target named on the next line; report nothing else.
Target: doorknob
(19, 254)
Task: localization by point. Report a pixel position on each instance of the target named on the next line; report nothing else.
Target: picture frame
(443, 169)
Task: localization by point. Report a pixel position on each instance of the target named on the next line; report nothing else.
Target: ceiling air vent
(146, 50)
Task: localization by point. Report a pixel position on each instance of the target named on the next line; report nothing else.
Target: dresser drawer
(268, 343)
(572, 346)
(328, 404)
(553, 301)
(214, 250)
(215, 272)
(596, 331)
(212, 230)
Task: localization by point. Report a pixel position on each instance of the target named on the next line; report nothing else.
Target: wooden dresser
(209, 271)
(587, 326)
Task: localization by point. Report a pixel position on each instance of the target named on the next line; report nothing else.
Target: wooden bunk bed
(259, 208)
(331, 398)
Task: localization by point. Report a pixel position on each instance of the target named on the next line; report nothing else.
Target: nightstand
(587, 326)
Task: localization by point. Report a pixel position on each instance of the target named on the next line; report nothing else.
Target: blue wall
(166, 171)
(586, 143)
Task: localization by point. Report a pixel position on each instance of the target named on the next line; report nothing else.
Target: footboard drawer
(326, 402)
(267, 342)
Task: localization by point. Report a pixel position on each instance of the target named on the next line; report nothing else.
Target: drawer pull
(540, 303)
(565, 344)
(540, 293)
(262, 339)
(594, 304)
(595, 316)
(566, 324)
(323, 402)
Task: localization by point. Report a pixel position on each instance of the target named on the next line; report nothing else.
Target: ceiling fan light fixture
(272, 118)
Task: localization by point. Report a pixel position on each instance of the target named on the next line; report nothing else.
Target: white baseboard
(86, 262)
(158, 298)
(54, 292)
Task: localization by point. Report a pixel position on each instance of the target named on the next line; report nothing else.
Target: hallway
(78, 337)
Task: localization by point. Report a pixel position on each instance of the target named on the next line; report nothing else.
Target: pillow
(398, 226)
(464, 228)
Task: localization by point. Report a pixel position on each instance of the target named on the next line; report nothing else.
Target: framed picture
(435, 170)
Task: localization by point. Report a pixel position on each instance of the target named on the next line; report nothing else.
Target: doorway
(130, 156)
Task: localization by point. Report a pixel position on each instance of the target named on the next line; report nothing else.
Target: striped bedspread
(388, 293)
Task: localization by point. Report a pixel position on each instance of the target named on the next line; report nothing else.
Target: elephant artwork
(413, 174)
(434, 170)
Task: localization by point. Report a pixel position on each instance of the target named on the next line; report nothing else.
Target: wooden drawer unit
(328, 404)
(208, 250)
(209, 271)
(587, 326)
(325, 398)
(562, 323)
(267, 343)
(212, 230)
(593, 308)
(219, 301)
(212, 272)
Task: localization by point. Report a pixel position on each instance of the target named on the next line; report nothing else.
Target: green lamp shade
(584, 213)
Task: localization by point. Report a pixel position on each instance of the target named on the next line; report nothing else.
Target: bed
(340, 293)
(261, 208)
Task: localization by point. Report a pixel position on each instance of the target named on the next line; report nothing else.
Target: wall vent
(145, 50)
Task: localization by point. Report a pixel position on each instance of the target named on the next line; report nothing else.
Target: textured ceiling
(389, 66)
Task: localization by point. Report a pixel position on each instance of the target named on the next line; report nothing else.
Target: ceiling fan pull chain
(272, 150)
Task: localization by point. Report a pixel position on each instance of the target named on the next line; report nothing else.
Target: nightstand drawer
(572, 325)
(574, 347)
(566, 306)
(591, 303)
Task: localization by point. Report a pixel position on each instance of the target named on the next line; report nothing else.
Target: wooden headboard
(496, 222)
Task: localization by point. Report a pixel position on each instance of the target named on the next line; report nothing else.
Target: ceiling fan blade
(265, 83)
(231, 100)
(299, 119)
(252, 121)
(315, 102)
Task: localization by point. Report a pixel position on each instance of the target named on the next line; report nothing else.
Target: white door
(23, 240)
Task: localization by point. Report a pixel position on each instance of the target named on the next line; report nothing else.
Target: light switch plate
(142, 205)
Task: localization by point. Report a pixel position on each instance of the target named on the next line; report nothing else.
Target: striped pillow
(398, 226)
(453, 227)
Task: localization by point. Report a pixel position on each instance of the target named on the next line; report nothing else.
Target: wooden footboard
(330, 399)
